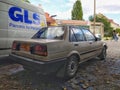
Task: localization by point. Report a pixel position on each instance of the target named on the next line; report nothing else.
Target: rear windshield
(50, 33)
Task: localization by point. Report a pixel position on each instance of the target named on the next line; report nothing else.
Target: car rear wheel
(103, 54)
(72, 66)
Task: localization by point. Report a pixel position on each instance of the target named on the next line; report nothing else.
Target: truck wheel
(72, 66)
(103, 54)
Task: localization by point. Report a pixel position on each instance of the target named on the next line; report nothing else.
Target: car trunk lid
(32, 48)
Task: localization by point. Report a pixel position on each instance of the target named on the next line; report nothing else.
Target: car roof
(82, 27)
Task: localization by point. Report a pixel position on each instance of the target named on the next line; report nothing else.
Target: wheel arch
(74, 53)
(104, 45)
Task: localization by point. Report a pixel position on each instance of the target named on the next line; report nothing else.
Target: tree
(107, 26)
(118, 31)
(77, 13)
(26, 1)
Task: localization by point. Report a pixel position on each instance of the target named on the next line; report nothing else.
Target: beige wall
(99, 28)
(115, 26)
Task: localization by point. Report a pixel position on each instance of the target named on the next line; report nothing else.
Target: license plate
(25, 47)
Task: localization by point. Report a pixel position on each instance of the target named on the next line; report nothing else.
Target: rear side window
(76, 35)
(89, 36)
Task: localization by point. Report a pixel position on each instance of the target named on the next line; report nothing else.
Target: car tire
(71, 66)
(103, 54)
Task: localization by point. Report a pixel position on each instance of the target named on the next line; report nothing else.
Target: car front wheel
(72, 66)
(103, 54)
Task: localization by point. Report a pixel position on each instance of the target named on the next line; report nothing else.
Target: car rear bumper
(40, 66)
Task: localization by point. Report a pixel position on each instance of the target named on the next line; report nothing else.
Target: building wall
(71, 22)
(115, 26)
(99, 28)
(50, 21)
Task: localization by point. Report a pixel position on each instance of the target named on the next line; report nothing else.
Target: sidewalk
(113, 50)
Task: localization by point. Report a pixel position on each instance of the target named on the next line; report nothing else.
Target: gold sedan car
(58, 49)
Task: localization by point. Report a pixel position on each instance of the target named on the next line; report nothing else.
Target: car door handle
(75, 44)
(90, 42)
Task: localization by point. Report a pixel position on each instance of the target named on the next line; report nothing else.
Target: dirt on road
(92, 75)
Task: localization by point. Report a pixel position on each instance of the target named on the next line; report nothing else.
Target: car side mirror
(98, 37)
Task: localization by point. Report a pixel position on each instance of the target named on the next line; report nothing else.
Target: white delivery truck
(18, 20)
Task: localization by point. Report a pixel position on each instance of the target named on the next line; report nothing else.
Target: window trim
(90, 32)
(71, 29)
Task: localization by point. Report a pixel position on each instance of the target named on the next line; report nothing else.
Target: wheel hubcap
(104, 53)
(72, 68)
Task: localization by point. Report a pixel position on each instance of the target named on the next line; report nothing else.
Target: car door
(78, 41)
(94, 45)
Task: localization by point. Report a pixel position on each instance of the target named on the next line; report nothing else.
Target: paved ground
(113, 49)
(92, 75)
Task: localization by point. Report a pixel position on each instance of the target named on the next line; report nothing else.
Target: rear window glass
(50, 33)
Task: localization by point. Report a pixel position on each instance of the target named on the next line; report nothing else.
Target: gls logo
(19, 15)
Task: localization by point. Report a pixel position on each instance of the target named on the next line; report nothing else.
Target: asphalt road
(5, 60)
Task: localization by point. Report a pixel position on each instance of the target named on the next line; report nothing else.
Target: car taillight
(40, 50)
(14, 46)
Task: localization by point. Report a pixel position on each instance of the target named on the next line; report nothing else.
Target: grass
(107, 38)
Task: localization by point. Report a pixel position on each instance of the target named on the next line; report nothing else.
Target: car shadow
(30, 80)
(35, 80)
(38, 81)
